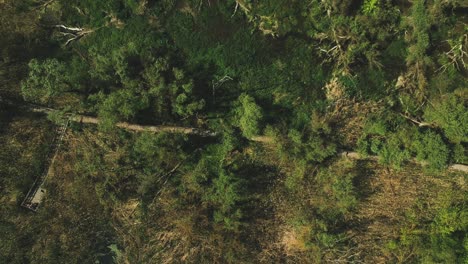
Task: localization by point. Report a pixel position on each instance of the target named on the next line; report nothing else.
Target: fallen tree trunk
(133, 127)
(356, 155)
(208, 133)
(459, 167)
(141, 128)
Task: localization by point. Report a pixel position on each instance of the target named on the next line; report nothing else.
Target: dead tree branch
(73, 33)
(457, 54)
(420, 124)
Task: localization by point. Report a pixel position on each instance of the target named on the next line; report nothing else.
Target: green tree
(118, 105)
(225, 196)
(155, 156)
(370, 7)
(311, 147)
(248, 115)
(451, 114)
(46, 80)
(420, 23)
(393, 152)
(184, 102)
(336, 186)
(431, 148)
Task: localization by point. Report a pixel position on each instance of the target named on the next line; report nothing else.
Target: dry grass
(23, 141)
(398, 198)
(293, 240)
(348, 118)
(389, 201)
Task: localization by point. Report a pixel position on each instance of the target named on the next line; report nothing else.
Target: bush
(338, 187)
(225, 195)
(393, 152)
(47, 79)
(431, 148)
(248, 116)
(311, 147)
(451, 114)
(460, 154)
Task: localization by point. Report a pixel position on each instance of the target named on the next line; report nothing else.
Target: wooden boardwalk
(37, 191)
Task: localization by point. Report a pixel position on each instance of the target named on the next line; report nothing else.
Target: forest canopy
(236, 131)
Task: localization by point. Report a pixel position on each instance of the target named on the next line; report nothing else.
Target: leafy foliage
(450, 113)
(286, 91)
(46, 80)
(431, 148)
(249, 116)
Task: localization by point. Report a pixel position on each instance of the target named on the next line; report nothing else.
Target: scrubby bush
(431, 148)
(451, 114)
(248, 116)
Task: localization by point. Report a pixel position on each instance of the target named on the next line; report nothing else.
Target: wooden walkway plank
(36, 193)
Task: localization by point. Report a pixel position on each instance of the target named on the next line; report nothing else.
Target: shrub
(451, 114)
(393, 152)
(431, 148)
(460, 154)
(248, 116)
(370, 7)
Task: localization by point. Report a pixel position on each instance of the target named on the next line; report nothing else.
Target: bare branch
(420, 124)
(72, 39)
(76, 29)
(45, 4)
(456, 55)
(235, 9)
